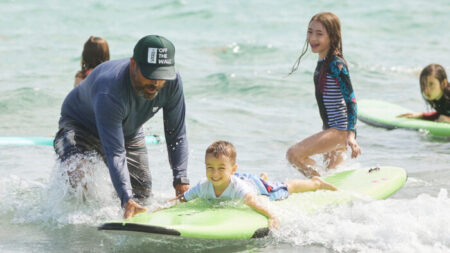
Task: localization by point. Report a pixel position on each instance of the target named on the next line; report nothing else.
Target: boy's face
(219, 170)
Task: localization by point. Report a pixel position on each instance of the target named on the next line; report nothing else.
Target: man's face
(142, 86)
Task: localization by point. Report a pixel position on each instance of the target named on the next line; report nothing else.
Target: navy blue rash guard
(106, 105)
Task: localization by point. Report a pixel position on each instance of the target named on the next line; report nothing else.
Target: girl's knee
(295, 155)
(292, 154)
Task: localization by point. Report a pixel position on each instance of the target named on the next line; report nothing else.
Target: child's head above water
(95, 51)
(220, 161)
(326, 24)
(433, 82)
(324, 37)
(222, 149)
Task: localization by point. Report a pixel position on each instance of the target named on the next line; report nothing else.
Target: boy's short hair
(222, 148)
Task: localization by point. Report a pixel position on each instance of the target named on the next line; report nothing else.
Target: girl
(95, 51)
(334, 95)
(436, 92)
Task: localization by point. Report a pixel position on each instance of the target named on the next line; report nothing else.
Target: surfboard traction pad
(260, 232)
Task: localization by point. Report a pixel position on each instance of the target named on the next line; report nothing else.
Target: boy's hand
(274, 223)
(253, 201)
(132, 208)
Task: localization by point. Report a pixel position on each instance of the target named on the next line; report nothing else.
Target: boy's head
(220, 160)
(223, 150)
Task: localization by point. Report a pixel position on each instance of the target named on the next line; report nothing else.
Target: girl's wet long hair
(333, 28)
(95, 51)
(438, 72)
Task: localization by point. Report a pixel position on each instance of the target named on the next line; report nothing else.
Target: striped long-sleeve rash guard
(336, 99)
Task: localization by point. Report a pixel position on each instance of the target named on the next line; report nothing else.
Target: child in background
(95, 51)
(223, 183)
(334, 95)
(436, 92)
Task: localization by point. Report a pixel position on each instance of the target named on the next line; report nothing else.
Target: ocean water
(234, 57)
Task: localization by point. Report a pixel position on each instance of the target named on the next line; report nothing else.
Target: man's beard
(141, 92)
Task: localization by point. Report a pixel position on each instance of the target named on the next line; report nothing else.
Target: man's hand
(132, 208)
(180, 189)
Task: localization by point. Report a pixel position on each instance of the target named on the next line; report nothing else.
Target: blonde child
(334, 95)
(222, 182)
(436, 92)
(95, 51)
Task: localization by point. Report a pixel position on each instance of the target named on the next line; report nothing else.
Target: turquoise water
(234, 57)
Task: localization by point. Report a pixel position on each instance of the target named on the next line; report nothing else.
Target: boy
(223, 183)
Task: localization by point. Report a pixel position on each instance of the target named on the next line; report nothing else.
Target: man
(105, 114)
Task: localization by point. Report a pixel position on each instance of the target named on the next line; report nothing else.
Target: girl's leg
(316, 183)
(323, 142)
(334, 158)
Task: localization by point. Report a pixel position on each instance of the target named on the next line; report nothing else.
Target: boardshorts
(73, 139)
(276, 190)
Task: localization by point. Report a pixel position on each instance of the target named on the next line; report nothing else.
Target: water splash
(62, 201)
(395, 225)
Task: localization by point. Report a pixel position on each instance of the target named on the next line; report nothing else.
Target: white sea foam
(56, 201)
(421, 224)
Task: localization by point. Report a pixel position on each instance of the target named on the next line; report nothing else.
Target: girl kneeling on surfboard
(222, 182)
(334, 95)
(436, 92)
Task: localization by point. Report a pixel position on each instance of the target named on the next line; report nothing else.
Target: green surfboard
(201, 219)
(384, 114)
(48, 141)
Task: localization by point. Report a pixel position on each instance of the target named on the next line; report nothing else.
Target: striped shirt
(336, 100)
(335, 105)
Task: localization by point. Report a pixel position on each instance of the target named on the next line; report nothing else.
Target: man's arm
(256, 204)
(109, 116)
(175, 133)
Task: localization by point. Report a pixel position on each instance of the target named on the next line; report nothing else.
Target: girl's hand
(411, 115)
(443, 118)
(351, 141)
